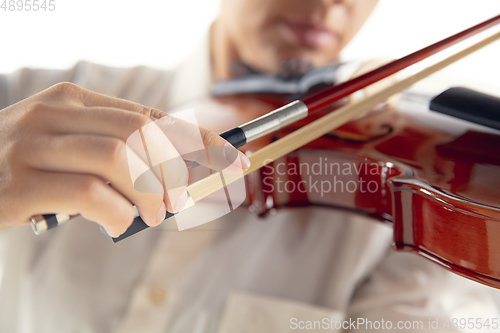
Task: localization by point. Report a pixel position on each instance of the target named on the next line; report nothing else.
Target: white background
(159, 33)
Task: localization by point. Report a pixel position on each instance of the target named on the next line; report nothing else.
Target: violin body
(438, 185)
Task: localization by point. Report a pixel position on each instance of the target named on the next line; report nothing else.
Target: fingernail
(244, 160)
(161, 213)
(236, 157)
(181, 202)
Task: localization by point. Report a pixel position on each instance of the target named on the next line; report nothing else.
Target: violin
(437, 184)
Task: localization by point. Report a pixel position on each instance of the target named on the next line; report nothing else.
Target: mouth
(309, 35)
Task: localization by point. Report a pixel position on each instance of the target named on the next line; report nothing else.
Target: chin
(315, 59)
(270, 53)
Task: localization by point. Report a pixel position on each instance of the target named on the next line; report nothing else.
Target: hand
(64, 150)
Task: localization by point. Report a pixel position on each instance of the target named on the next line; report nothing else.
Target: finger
(107, 158)
(203, 146)
(104, 121)
(228, 159)
(87, 98)
(73, 194)
(166, 161)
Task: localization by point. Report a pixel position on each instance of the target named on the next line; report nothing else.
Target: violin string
(326, 124)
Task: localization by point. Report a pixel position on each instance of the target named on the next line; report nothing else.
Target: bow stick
(298, 110)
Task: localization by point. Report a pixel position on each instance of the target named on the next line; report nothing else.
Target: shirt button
(157, 295)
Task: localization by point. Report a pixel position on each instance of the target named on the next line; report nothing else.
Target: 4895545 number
(28, 5)
(471, 323)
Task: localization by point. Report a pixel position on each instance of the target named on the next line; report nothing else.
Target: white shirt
(237, 274)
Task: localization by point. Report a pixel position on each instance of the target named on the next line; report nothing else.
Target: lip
(309, 35)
